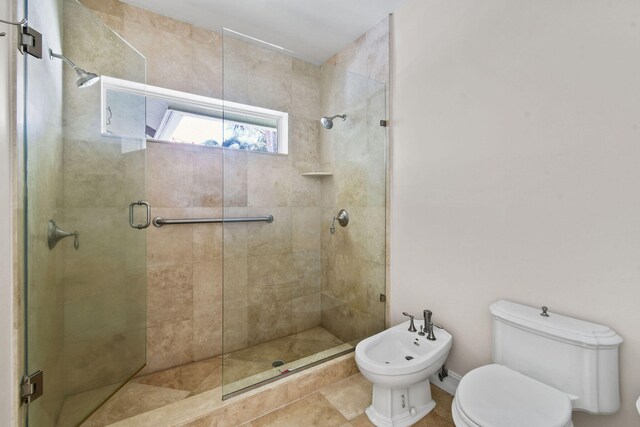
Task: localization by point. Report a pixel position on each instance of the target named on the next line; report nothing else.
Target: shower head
(85, 78)
(327, 122)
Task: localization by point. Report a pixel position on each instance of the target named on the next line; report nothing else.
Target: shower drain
(277, 363)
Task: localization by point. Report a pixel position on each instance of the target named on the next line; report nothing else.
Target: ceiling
(314, 30)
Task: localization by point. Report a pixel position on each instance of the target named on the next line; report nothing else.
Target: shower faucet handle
(412, 326)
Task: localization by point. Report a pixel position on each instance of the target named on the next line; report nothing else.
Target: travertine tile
(350, 396)
(207, 238)
(274, 238)
(434, 420)
(305, 312)
(186, 378)
(76, 406)
(170, 170)
(306, 229)
(260, 404)
(361, 421)
(169, 245)
(118, 356)
(207, 309)
(268, 180)
(236, 165)
(305, 140)
(169, 294)
(168, 345)
(153, 22)
(313, 410)
(211, 381)
(207, 179)
(111, 7)
(132, 400)
(443, 403)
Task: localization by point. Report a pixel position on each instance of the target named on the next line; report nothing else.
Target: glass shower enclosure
(84, 264)
(309, 285)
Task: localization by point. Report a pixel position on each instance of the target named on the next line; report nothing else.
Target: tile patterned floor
(342, 405)
(152, 391)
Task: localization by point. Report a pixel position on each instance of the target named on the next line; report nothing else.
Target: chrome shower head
(85, 78)
(327, 122)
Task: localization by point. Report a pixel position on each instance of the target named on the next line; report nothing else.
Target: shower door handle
(131, 209)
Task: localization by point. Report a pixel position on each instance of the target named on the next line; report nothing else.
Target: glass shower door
(295, 292)
(85, 265)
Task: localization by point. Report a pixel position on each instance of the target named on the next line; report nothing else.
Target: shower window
(187, 127)
(182, 117)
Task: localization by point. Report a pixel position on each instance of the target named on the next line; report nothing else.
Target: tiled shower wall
(355, 82)
(104, 280)
(272, 271)
(184, 264)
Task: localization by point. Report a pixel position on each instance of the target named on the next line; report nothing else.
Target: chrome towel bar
(159, 222)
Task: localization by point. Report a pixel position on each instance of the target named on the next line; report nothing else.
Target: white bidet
(399, 363)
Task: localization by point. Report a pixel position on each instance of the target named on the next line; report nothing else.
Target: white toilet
(545, 366)
(398, 363)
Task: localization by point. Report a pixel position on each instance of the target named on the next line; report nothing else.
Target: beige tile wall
(104, 280)
(273, 272)
(184, 271)
(354, 82)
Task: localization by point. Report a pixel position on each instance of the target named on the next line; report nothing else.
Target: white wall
(517, 169)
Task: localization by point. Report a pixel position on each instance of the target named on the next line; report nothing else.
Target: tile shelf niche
(318, 174)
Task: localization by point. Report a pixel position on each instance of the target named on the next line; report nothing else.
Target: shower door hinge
(31, 42)
(384, 123)
(32, 387)
(383, 297)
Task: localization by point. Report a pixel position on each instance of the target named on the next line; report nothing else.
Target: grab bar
(159, 222)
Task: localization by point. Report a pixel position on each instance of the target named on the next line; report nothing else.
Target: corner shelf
(318, 174)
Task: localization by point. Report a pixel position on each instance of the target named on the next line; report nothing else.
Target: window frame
(215, 105)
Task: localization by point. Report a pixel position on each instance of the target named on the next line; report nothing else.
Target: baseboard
(449, 384)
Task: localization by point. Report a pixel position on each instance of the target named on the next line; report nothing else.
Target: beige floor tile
(433, 420)
(77, 406)
(186, 377)
(443, 403)
(313, 410)
(209, 383)
(258, 358)
(361, 421)
(350, 396)
(133, 399)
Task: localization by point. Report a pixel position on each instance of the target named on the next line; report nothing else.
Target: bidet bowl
(396, 356)
(399, 363)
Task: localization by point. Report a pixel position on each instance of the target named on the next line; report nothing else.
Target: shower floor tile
(258, 358)
(152, 391)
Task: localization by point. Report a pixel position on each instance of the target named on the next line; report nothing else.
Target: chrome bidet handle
(412, 326)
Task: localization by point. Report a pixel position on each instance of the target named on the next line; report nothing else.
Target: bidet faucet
(412, 326)
(428, 325)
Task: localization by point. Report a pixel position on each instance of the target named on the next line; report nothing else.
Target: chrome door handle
(131, 209)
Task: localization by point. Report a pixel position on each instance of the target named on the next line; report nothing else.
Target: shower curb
(207, 409)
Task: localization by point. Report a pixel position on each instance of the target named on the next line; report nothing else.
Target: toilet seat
(496, 396)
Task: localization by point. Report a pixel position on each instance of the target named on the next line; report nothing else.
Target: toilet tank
(577, 357)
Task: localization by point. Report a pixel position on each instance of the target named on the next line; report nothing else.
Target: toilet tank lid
(556, 326)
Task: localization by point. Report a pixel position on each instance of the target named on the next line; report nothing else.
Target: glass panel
(85, 305)
(294, 293)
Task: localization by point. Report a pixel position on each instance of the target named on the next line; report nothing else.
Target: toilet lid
(497, 396)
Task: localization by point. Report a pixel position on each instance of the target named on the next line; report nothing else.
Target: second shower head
(85, 78)
(327, 122)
